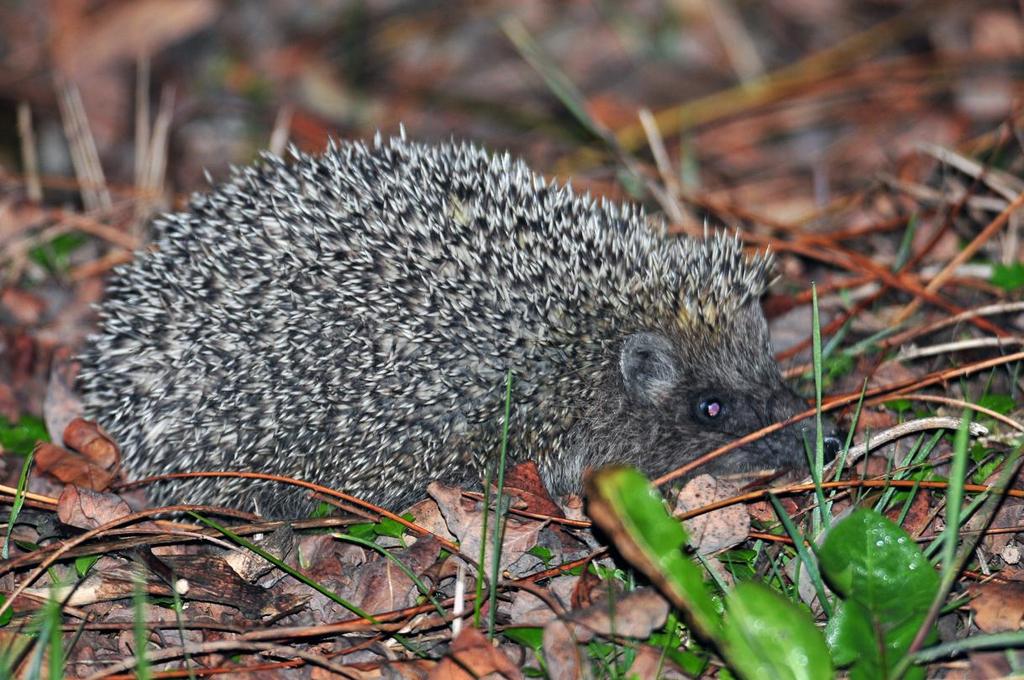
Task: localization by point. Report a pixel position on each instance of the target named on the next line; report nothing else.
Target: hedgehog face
(680, 393)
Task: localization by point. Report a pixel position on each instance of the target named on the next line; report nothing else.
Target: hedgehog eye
(711, 408)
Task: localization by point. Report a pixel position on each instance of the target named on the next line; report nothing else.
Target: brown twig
(967, 253)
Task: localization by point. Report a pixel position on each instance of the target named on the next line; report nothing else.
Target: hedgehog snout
(791, 444)
(832, 438)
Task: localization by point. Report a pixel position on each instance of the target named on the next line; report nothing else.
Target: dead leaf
(61, 404)
(944, 250)
(250, 566)
(561, 651)
(201, 578)
(919, 516)
(8, 403)
(25, 363)
(365, 578)
(70, 467)
(589, 589)
(997, 607)
(635, 615)
(524, 481)
(1010, 515)
(530, 610)
(891, 373)
(997, 665)
(875, 420)
(473, 656)
(382, 586)
(93, 442)
(87, 509)
(998, 34)
(651, 662)
(762, 511)
(24, 307)
(465, 520)
(93, 40)
(718, 530)
(426, 514)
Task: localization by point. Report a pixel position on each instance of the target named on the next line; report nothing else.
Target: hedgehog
(351, 318)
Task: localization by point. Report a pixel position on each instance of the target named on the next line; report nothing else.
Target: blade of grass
(420, 585)
(993, 641)
(478, 601)
(841, 463)
(47, 638)
(951, 570)
(801, 550)
(142, 669)
(19, 502)
(500, 514)
(557, 82)
(277, 562)
(955, 493)
(822, 519)
(181, 629)
(915, 458)
(904, 252)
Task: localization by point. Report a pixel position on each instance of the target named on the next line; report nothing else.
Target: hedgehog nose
(833, 445)
(832, 439)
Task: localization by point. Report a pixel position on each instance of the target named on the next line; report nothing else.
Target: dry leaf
(891, 373)
(919, 516)
(90, 41)
(93, 442)
(61, 405)
(473, 656)
(382, 586)
(465, 521)
(717, 530)
(636, 614)
(87, 509)
(651, 662)
(997, 607)
(991, 665)
(24, 307)
(70, 467)
(524, 481)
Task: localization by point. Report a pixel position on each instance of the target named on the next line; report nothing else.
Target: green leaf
(690, 657)
(899, 405)
(767, 636)
(764, 635)
(851, 639)
(8, 614)
(542, 553)
(362, 530)
(631, 511)
(56, 254)
(692, 663)
(740, 562)
(389, 527)
(986, 462)
(1008, 277)
(531, 636)
(19, 502)
(322, 509)
(838, 365)
(21, 437)
(870, 559)
(887, 585)
(1000, 403)
(84, 563)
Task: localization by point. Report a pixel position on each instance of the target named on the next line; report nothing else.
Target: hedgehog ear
(648, 367)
